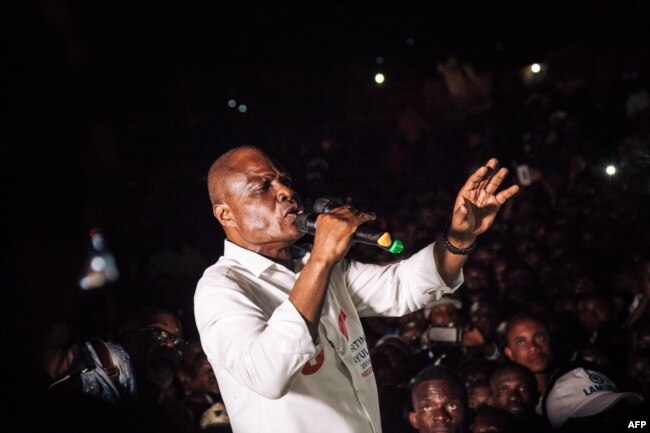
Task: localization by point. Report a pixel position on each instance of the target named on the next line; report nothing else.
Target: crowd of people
(549, 331)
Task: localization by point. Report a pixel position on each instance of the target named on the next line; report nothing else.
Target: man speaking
(281, 326)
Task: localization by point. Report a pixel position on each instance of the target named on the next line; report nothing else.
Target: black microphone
(306, 223)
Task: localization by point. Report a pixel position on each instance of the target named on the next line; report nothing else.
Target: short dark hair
(510, 422)
(513, 366)
(439, 372)
(520, 317)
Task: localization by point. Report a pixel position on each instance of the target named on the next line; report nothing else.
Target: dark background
(113, 111)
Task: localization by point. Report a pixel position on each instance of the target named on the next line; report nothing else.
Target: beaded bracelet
(452, 249)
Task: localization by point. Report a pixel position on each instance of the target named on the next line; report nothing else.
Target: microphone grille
(301, 222)
(324, 205)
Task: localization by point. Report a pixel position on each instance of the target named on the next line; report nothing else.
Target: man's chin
(516, 410)
(295, 234)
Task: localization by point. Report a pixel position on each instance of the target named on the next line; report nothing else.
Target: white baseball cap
(444, 300)
(581, 392)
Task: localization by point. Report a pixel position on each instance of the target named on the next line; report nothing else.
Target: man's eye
(426, 408)
(452, 406)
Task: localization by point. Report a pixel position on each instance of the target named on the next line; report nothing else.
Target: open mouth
(293, 211)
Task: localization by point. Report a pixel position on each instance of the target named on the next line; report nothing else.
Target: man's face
(205, 378)
(163, 356)
(260, 203)
(513, 391)
(529, 345)
(592, 313)
(478, 396)
(439, 407)
(491, 422)
(443, 315)
(484, 317)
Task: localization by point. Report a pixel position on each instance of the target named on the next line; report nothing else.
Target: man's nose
(441, 415)
(168, 343)
(284, 192)
(514, 396)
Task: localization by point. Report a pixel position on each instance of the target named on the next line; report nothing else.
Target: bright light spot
(97, 241)
(410, 42)
(92, 281)
(379, 60)
(243, 108)
(535, 68)
(98, 264)
(379, 78)
(610, 170)
(232, 103)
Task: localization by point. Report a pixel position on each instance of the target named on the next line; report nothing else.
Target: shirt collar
(254, 262)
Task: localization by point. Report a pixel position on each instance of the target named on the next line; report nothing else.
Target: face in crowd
(514, 389)
(528, 344)
(493, 420)
(439, 406)
(164, 345)
(478, 395)
(443, 315)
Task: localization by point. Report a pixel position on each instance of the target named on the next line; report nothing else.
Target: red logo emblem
(314, 364)
(342, 327)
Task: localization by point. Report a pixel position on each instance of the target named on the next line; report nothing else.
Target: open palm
(478, 202)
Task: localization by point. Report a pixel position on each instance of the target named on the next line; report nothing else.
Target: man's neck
(278, 253)
(542, 381)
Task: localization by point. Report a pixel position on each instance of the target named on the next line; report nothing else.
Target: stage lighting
(243, 108)
(535, 68)
(379, 78)
(610, 170)
(232, 103)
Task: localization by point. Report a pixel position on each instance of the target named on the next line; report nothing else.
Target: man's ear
(508, 353)
(413, 419)
(222, 213)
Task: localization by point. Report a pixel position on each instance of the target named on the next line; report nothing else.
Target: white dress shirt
(272, 376)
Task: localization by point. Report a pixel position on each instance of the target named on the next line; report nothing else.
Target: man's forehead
(166, 322)
(441, 387)
(252, 163)
(525, 326)
(509, 376)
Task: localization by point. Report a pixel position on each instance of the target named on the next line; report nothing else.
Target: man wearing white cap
(580, 398)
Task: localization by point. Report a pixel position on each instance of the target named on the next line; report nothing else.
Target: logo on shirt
(342, 327)
(314, 364)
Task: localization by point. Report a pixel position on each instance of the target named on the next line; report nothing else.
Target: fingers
(481, 176)
(504, 195)
(496, 180)
(352, 214)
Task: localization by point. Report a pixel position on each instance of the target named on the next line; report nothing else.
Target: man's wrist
(457, 242)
